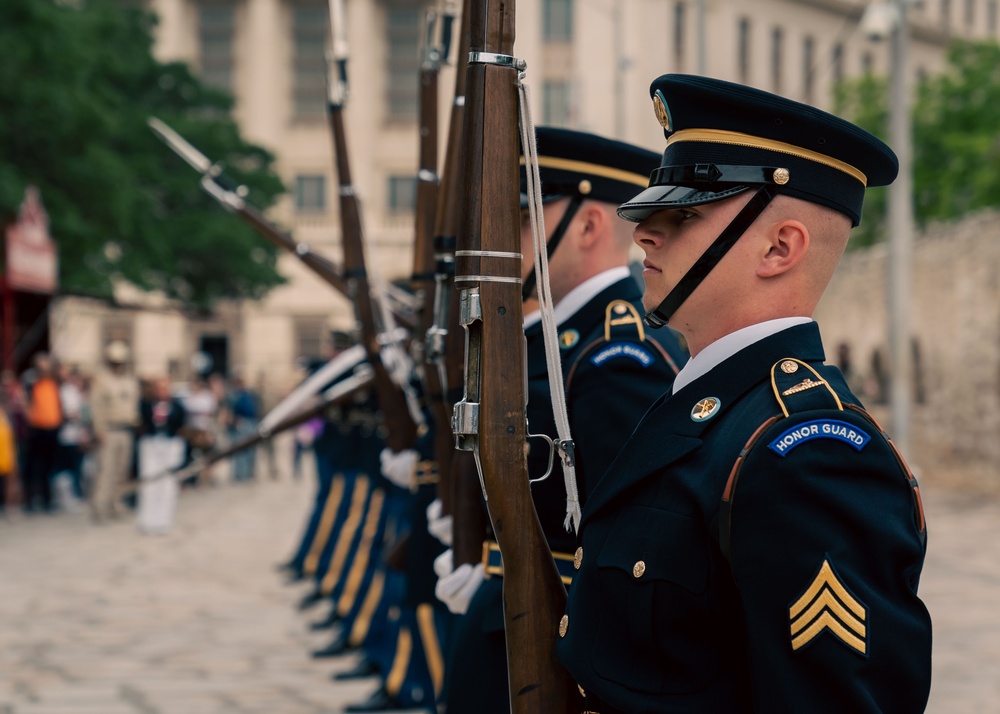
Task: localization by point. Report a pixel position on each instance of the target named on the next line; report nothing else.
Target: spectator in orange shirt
(44, 420)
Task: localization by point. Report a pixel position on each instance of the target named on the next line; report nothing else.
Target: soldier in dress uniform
(757, 543)
(613, 368)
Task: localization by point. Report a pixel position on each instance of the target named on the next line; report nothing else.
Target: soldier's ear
(593, 221)
(785, 244)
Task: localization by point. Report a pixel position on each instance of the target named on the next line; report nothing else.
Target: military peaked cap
(723, 138)
(576, 163)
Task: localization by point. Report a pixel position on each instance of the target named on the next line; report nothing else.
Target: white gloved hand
(457, 589)
(443, 564)
(437, 525)
(398, 466)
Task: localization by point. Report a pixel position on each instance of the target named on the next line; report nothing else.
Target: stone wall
(955, 433)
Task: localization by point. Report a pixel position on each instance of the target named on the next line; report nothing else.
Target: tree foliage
(956, 136)
(77, 84)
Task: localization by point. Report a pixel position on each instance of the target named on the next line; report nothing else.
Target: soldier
(613, 370)
(757, 543)
(115, 415)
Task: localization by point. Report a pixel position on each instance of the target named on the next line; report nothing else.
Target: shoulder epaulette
(798, 388)
(622, 320)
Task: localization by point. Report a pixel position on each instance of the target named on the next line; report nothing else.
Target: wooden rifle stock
(459, 485)
(491, 419)
(401, 430)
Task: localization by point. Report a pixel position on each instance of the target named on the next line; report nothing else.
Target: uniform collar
(580, 296)
(725, 347)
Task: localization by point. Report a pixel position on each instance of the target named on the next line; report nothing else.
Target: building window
(402, 194)
(970, 14)
(309, 337)
(808, 73)
(838, 62)
(679, 32)
(991, 17)
(555, 103)
(310, 193)
(777, 59)
(557, 20)
(403, 28)
(743, 50)
(945, 14)
(310, 24)
(216, 24)
(867, 64)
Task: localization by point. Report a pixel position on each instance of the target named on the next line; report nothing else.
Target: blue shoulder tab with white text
(623, 349)
(819, 429)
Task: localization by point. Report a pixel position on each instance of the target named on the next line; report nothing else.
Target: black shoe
(338, 647)
(380, 701)
(296, 576)
(365, 668)
(288, 566)
(327, 622)
(311, 599)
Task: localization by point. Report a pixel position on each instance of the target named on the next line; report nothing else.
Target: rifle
(459, 486)
(401, 425)
(490, 420)
(339, 393)
(224, 190)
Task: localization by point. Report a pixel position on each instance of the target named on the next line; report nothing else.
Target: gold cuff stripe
(827, 621)
(826, 577)
(322, 534)
(826, 602)
(356, 575)
(400, 663)
(586, 167)
(346, 536)
(491, 546)
(432, 648)
(721, 136)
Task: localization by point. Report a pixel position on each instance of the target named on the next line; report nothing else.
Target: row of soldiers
(802, 597)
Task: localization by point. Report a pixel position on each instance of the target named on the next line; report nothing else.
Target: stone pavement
(103, 620)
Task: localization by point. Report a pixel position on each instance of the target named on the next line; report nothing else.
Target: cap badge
(568, 339)
(705, 409)
(661, 111)
(781, 176)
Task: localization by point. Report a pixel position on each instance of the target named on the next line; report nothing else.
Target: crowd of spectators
(52, 439)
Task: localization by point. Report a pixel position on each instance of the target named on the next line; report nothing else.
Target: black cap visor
(660, 198)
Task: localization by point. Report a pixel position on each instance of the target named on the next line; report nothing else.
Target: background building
(590, 63)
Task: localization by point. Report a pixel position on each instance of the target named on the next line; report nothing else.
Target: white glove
(437, 525)
(398, 467)
(456, 588)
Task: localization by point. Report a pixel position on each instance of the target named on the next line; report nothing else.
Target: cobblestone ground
(103, 620)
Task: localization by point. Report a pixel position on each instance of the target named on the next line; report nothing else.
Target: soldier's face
(673, 239)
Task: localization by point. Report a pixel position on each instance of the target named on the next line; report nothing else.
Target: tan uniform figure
(114, 414)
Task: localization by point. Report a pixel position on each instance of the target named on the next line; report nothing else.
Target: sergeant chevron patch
(828, 605)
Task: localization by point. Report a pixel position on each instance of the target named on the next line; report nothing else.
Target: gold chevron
(802, 386)
(827, 605)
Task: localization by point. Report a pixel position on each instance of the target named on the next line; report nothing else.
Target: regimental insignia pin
(705, 409)
(828, 605)
(568, 339)
(789, 366)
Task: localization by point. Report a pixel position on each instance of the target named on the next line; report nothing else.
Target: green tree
(956, 136)
(77, 83)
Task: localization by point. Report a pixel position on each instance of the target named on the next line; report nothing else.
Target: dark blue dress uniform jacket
(608, 390)
(815, 609)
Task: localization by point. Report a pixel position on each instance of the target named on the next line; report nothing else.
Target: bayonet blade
(180, 145)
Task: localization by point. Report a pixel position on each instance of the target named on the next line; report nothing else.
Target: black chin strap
(574, 205)
(711, 257)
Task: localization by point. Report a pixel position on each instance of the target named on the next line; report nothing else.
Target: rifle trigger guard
(552, 453)
(498, 60)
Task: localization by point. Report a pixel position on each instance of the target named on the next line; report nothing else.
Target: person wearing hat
(115, 415)
(757, 544)
(613, 369)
